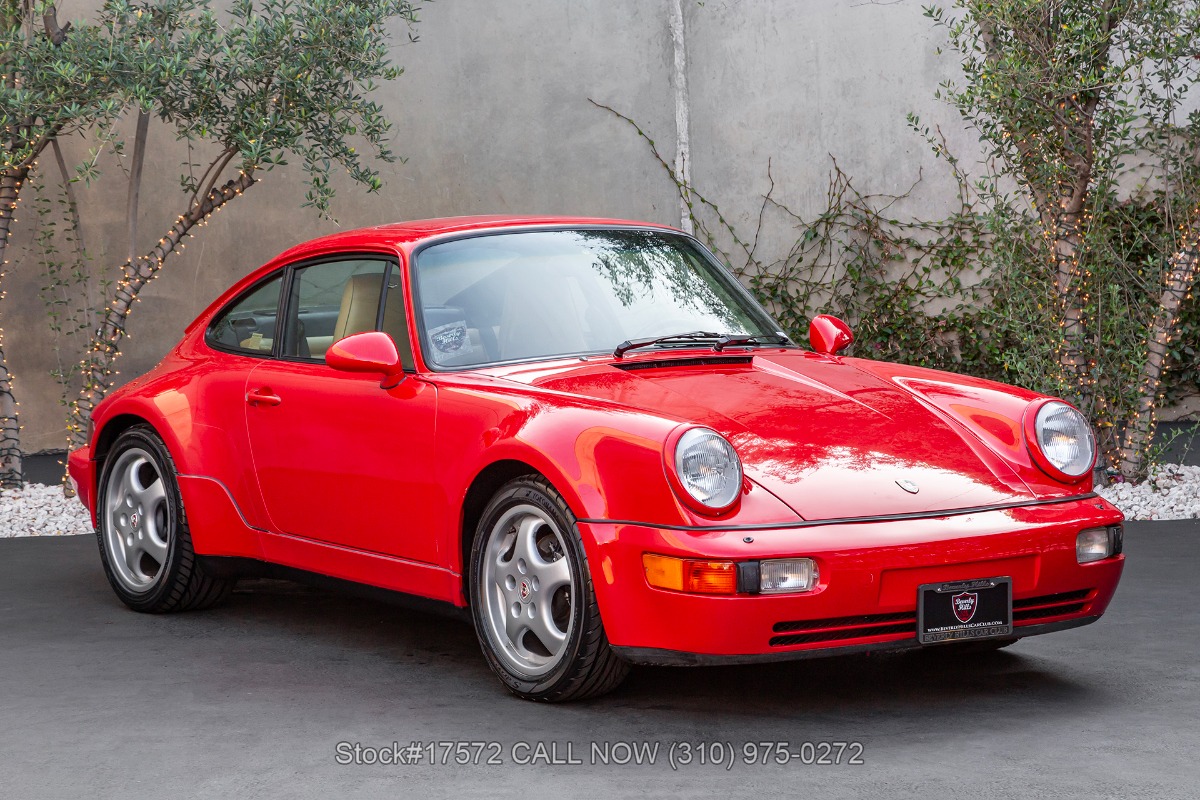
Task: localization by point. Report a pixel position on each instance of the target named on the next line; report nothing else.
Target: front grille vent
(834, 629)
(1051, 605)
(839, 628)
(704, 361)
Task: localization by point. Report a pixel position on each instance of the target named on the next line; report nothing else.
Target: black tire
(586, 665)
(179, 582)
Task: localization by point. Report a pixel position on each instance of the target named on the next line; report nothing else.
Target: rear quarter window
(248, 324)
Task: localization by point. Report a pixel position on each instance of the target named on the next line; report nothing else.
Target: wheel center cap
(134, 519)
(524, 590)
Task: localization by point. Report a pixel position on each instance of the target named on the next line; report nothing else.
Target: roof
(398, 233)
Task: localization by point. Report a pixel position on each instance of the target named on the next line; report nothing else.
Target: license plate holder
(964, 610)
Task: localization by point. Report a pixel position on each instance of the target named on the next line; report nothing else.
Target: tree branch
(212, 174)
(72, 202)
(56, 33)
(135, 181)
(106, 340)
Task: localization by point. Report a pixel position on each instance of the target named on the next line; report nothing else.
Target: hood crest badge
(908, 486)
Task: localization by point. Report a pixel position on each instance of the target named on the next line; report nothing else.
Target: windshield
(542, 294)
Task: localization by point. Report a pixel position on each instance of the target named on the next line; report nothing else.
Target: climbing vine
(957, 293)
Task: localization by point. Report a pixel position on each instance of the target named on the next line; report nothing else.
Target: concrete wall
(493, 116)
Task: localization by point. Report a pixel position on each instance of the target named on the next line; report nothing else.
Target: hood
(828, 439)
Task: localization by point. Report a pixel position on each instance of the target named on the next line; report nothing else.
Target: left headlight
(1063, 438)
(708, 468)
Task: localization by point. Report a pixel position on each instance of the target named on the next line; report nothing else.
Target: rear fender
(220, 497)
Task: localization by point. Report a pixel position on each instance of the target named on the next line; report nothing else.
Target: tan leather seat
(360, 305)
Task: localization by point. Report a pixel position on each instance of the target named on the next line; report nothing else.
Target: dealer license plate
(979, 609)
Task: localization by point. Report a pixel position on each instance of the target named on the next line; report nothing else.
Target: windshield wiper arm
(750, 338)
(633, 344)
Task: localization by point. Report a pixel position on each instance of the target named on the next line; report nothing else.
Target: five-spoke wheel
(136, 525)
(527, 590)
(532, 601)
(145, 544)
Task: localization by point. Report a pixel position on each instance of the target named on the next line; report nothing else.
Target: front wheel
(145, 544)
(532, 601)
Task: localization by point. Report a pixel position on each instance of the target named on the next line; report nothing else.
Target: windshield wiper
(750, 338)
(692, 336)
(722, 340)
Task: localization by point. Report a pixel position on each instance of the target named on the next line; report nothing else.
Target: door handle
(263, 397)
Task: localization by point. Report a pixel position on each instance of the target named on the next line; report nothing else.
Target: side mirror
(829, 335)
(372, 351)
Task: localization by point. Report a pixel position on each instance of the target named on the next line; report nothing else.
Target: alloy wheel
(528, 591)
(137, 520)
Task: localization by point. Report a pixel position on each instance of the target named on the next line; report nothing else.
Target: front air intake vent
(704, 361)
(835, 629)
(1051, 605)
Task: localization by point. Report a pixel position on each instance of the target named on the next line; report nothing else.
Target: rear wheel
(145, 544)
(532, 601)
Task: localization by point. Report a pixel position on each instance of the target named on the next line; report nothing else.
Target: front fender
(993, 413)
(607, 461)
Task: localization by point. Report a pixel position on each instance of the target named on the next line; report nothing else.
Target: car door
(338, 459)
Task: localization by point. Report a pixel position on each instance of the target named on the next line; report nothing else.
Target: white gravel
(41, 511)
(1172, 492)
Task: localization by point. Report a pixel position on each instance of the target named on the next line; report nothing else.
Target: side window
(247, 325)
(330, 301)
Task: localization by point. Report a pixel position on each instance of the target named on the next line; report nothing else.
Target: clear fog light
(788, 575)
(1093, 544)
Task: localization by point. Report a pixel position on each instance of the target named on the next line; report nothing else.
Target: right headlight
(1061, 440)
(708, 469)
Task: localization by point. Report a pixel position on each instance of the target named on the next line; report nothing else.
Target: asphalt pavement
(264, 696)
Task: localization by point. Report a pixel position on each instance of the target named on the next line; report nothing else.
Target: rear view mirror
(829, 335)
(372, 351)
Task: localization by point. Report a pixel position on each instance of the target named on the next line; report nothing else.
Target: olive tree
(1082, 105)
(262, 84)
(248, 89)
(55, 81)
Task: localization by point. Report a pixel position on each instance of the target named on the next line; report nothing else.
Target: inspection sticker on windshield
(449, 338)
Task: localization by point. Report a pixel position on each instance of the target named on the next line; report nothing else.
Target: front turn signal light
(695, 576)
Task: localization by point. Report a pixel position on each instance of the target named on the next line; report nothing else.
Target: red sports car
(588, 436)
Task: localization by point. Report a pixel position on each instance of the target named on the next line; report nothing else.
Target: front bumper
(867, 595)
(81, 471)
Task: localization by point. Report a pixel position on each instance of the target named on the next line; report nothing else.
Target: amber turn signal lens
(690, 575)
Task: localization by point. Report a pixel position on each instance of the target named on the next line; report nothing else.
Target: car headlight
(708, 469)
(1062, 441)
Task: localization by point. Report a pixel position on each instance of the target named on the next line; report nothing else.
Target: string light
(10, 425)
(1178, 284)
(105, 347)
